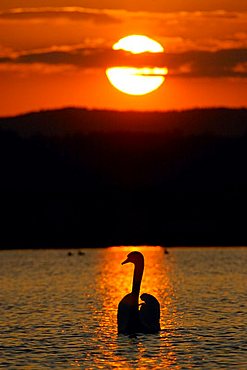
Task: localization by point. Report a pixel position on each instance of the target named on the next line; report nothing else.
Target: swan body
(150, 312)
(130, 319)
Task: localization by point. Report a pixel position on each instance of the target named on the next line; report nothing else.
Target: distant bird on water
(80, 253)
(130, 319)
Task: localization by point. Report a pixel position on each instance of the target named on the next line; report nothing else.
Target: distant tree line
(105, 188)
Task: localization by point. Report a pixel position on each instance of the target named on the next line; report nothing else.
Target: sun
(138, 44)
(137, 81)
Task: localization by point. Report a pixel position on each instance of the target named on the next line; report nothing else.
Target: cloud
(36, 68)
(149, 6)
(241, 67)
(195, 63)
(177, 31)
(69, 13)
(220, 63)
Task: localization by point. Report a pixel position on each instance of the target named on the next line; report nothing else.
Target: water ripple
(59, 312)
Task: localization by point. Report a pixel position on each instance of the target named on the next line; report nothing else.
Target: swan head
(148, 298)
(144, 297)
(134, 257)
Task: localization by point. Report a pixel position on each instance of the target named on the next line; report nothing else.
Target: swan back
(150, 313)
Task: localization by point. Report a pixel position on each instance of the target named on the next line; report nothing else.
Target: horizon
(228, 122)
(84, 108)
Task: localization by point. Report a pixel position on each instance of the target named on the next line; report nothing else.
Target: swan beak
(126, 261)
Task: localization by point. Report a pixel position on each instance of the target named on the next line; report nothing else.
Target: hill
(217, 121)
(93, 178)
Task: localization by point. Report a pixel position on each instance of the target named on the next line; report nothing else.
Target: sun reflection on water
(114, 281)
(61, 312)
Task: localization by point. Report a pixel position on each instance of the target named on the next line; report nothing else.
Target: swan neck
(138, 272)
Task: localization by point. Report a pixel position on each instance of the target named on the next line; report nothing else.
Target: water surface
(59, 311)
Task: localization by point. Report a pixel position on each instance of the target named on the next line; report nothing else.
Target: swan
(130, 319)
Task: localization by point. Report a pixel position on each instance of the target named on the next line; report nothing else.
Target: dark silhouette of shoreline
(74, 121)
(97, 178)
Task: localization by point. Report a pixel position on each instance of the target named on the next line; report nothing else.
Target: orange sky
(54, 53)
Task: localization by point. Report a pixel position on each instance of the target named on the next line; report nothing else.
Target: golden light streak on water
(60, 312)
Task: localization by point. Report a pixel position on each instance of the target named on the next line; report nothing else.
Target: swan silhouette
(130, 319)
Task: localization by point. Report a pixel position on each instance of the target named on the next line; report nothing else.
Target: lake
(59, 311)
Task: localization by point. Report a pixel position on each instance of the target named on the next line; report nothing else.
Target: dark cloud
(221, 63)
(73, 14)
(89, 58)
(150, 6)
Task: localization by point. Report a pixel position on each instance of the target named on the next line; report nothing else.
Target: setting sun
(137, 81)
(138, 44)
